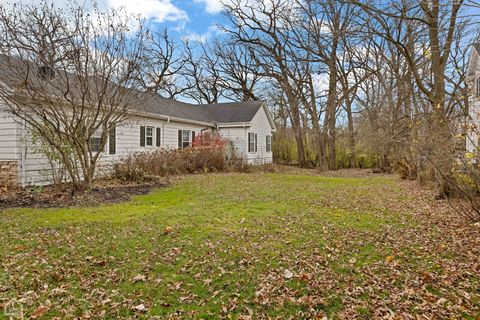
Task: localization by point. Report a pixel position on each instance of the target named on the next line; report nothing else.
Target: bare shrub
(168, 162)
(209, 153)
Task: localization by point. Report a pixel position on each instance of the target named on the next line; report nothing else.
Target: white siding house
(473, 78)
(157, 126)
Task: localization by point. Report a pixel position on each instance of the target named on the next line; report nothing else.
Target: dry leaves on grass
(250, 248)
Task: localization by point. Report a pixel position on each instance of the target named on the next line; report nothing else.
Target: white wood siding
(10, 143)
(259, 125)
(474, 111)
(9, 137)
(38, 171)
(34, 168)
(238, 136)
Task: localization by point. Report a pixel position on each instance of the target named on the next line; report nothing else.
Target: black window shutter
(249, 141)
(142, 136)
(180, 138)
(158, 137)
(112, 141)
(256, 143)
(193, 136)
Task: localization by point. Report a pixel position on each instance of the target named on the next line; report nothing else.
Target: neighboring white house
(473, 78)
(160, 123)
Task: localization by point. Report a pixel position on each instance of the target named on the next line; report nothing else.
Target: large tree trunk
(297, 128)
(351, 132)
(331, 114)
(319, 139)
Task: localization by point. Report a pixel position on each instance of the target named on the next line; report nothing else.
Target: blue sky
(195, 19)
(191, 18)
(203, 16)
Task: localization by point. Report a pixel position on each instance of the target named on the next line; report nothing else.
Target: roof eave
(269, 116)
(234, 124)
(169, 118)
(472, 62)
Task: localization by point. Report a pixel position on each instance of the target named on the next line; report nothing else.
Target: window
(252, 142)
(269, 143)
(96, 141)
(184, 140)
(112, 141)
(146, 136)
(149, 137)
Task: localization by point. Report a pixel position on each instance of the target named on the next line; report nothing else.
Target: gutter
(168, 118)
(234, 125)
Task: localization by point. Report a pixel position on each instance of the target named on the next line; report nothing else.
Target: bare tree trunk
(331, 114)
(297, 128)
(351, 132)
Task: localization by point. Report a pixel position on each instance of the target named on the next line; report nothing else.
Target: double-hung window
(252, 142)
(147, 136)
(185, 138)
(268, 143)
(96, 141)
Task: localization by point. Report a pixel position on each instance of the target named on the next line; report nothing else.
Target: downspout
(23, 149)
(163, 132)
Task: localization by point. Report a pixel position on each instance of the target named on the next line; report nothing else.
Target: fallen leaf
(139, 278)
(140, 308)
(288, 274)
(39, 312)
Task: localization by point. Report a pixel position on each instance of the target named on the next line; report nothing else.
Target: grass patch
(209, 246)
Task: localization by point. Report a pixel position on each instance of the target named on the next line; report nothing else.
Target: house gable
(473, 69)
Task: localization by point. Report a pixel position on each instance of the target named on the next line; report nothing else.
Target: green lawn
(244, 246)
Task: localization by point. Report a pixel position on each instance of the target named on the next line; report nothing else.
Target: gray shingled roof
(147, 102)
(233, 112)
(212, 113)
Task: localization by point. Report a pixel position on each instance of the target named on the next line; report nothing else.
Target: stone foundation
(8, 173)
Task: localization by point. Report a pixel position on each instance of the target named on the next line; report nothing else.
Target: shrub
(209, 153)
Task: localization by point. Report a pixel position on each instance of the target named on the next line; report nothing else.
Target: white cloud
(153, 10)
(204, 37)
(211, 6)
(156, 10)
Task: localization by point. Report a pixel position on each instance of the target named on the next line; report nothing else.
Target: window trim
(184, 142)
(96, 136)
(149, 136)
(252, 142)
(268, 143)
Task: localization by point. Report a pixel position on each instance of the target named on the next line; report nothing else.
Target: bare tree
(262, 27)
(204, 81)
(237, 67)
(66, 76)
(439, 21)
(163, 62)
(320, 33)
